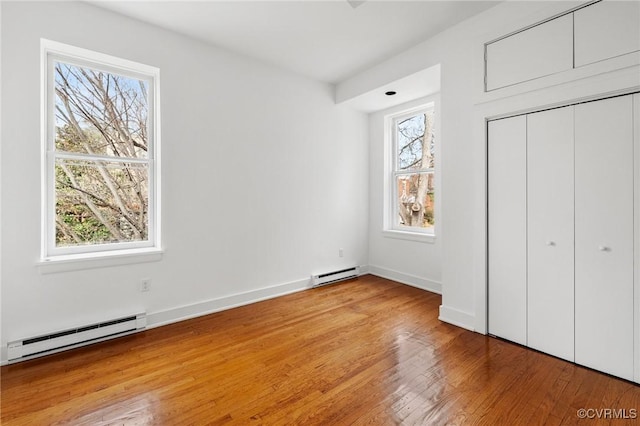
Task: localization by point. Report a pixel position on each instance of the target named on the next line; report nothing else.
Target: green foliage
(81, 221)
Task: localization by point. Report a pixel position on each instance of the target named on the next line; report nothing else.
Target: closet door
(550, 207)
(507, 182)
(604, 236)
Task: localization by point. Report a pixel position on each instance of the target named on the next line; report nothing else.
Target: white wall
(264, 178)
(417, 263)
(464, 108)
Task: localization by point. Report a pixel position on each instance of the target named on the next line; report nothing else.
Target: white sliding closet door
(550, 231)
(508, 228)
(604, 236)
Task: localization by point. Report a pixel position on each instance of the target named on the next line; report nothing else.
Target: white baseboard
(401, 277)
(180, 313)
(457, 318)
(157, 319)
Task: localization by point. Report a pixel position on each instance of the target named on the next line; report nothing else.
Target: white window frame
(392, 228)
(52, 52)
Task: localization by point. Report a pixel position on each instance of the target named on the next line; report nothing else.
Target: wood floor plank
(364, 352)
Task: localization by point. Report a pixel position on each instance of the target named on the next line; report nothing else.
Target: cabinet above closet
(605, 30)
(596, 32)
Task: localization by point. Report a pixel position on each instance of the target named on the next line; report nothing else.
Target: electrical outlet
(341, 252)
(145, 285)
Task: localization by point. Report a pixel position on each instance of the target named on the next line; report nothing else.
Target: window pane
(100, 113)
(415, 202)
(415, 150)
(100, 202)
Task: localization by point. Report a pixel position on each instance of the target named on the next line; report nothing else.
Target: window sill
(77, 262)
(409, 236)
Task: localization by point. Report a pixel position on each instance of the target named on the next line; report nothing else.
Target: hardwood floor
(365, 352)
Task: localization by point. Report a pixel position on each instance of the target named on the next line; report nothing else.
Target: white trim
(88, 57)
(77, 262)
(51, 52)
(390, 228)
(457, 318)
(207, 307)
(408, 279)
(210, 306)
(45, 175)
(100, 158)
(407, 113)
(421, 237)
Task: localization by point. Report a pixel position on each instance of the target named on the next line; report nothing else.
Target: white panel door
(604, 236)
(541, 50)
(507, 214)
(605, 30)
(550, 232)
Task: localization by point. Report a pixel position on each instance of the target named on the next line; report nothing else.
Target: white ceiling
(326, 40)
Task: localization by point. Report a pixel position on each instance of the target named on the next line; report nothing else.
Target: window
(100, 184)
(411, 186)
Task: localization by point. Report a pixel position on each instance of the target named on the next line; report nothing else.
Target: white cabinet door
(507, 228)
(604, 236)
(550, 232)
(605, 30)
(536, 52)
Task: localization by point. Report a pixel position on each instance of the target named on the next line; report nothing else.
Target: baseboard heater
(33, 347)
(335, 276)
